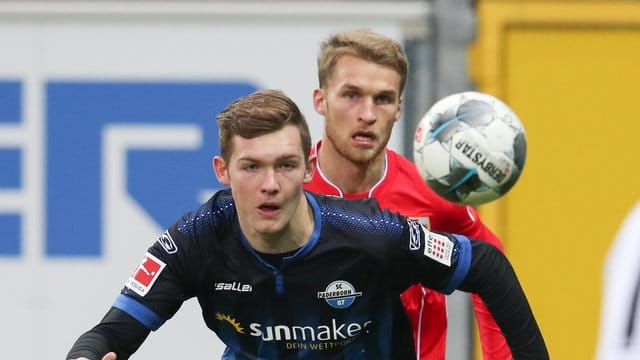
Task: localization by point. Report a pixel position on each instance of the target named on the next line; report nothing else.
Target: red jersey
(402, 190)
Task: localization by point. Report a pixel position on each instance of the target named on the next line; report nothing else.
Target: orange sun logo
(231, 321)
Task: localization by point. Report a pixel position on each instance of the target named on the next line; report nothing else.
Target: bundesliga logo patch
(145, 275)
(439, 248)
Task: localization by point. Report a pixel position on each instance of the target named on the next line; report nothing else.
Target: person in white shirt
(619, 336)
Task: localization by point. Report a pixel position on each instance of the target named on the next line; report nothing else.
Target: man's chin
(268, 228)
(363, 157)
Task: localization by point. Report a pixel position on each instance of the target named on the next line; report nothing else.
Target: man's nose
(367, 110)
(269, 181)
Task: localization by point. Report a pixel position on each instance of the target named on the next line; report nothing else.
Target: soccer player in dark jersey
(361, 79)
(281, 273)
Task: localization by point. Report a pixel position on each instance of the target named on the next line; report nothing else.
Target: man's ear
(221, 170)
(311, 167)
(399, 111)
(319, 101)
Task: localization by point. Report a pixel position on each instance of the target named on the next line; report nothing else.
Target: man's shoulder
(402, 172)
(360, 213)
(401, 161)
(405, 191)
(216, 212)
(357, 219)
(327, 201)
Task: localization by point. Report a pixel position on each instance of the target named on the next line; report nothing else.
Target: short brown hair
(260, 113)
(364, 44)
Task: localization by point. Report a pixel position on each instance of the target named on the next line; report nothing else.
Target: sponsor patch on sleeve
(414, 232)
(439, 248)
(167, 243)
(145, 275)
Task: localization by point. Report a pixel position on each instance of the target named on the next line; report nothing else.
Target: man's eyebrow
(386, 92)
(278, 158)
(349, 86)
(289, 157)
(390, 93)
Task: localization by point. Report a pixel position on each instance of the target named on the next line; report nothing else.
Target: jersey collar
(314, 154)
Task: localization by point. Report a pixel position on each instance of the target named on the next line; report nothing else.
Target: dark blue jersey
(338, 296)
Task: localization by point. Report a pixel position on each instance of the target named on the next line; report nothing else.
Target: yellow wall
(571, 70)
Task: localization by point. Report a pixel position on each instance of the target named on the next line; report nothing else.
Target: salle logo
(233, 286)
(339, 294)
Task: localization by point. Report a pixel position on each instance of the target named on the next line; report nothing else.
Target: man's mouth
(269, 207)
(365, 138)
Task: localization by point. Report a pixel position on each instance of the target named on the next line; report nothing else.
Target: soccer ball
(470, 148)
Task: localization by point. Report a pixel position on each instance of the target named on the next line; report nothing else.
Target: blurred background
(107, 129)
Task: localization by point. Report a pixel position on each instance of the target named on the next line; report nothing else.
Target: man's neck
(351, 177)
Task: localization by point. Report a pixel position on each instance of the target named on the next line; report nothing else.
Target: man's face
(266, 174)
(361, 103)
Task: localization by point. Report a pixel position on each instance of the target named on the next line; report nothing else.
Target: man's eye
(383, 99)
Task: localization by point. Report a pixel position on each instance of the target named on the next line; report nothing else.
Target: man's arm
(494, 345)
(492, 277)
(466, 221)
(449, 262)
(116, 333)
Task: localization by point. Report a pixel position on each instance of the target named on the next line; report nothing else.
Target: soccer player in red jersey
(361, 79)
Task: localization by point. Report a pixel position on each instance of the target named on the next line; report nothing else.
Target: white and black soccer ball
(470, 148)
